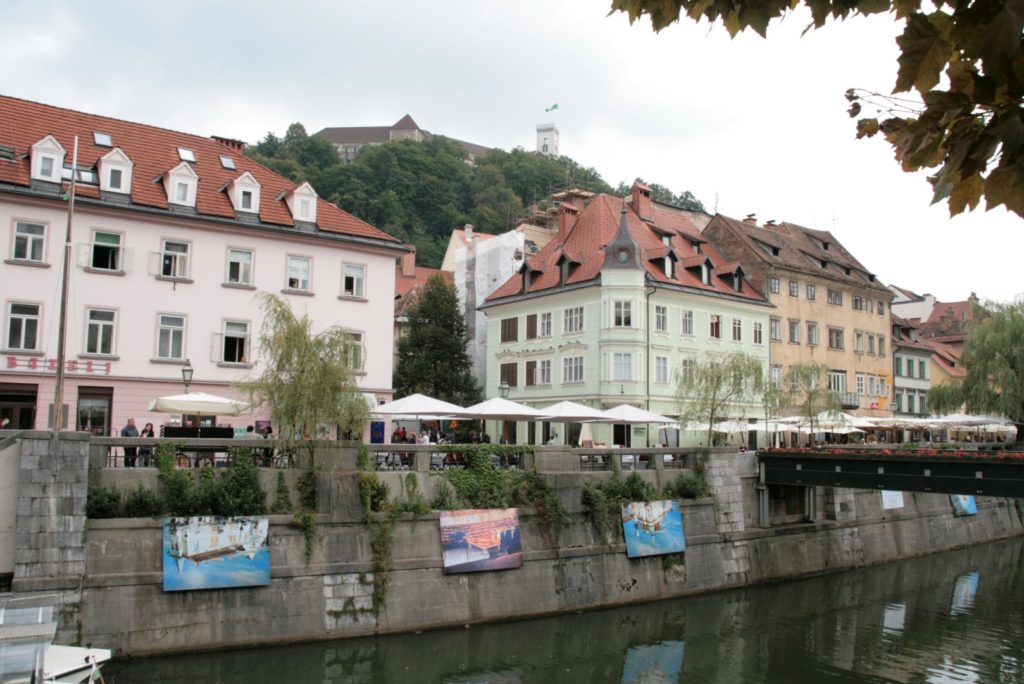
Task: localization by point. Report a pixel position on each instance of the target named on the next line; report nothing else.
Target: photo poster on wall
(891, 500)
(653, 528)
(963, 504)
(211, 552)
(479, 540)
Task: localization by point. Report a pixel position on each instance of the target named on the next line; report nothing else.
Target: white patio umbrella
(732, 426)
(420, 406)
(200, 404)
(624, 413)
(503, 409)
(569, 412)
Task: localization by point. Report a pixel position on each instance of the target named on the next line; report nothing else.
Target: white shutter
(154, 263)
(127, 259)
(84, 252)
(217, 347)
(181, 265)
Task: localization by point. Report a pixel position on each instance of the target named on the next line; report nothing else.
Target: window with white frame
(881, 308)
(835, 297)
(899, 366)
(910, 402)
(572, 369)
(773, 285)
(572, 320)
(837, 381)
(775, 375)
(858, 342)
(244, 193)
(99, 336)
(811, 292)
(758, 333)
(240, 266)
(106, 251)
(355, 280)
(910, 368)
(543, 372)
(921, 372)
(298, 273)
(897, 401)
(23, 326)
(623, 314)
(715, 326)
(661, 369)
(858, 303)
(688, 322)
(181, 192)
(545, 325)
(170, 337)
(794, 288)
(922, 399)
(180, 184)
(660, 318)
(245, 200)
(794, 331)
(871, 344)
(812, 334)
(860, 383)
(872, 386)
(686, 369)
(622, 366)
(174, 259)
(235, 348)
(775, 329)
(47, 159)
(115, 171)
(354, 356)
(737, 330)
(29, 241)
(881, 345)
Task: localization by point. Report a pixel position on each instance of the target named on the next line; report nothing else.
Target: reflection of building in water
(206, 538)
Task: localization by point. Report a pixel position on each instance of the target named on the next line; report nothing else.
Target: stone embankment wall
(123, 607)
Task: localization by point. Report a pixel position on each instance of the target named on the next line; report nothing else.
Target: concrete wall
(10, 464)
(124, 607)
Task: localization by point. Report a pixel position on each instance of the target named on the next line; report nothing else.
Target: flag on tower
(551, 108)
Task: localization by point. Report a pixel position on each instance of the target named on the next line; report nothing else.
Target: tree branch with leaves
(716, 386)
(308, 379)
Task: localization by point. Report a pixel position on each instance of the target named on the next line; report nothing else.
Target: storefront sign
(70, 366)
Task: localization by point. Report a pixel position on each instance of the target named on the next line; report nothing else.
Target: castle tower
(547, 139)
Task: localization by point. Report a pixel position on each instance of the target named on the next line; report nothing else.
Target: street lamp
(504, 389)
(186, 374)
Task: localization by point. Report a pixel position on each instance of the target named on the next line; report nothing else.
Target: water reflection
(928, 619)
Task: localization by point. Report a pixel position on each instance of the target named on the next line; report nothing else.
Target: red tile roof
(948, 357)
(582, 244)
(407, 287)
(154, 152)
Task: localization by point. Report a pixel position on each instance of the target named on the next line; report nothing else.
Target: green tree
(717, 386)
(969, 125)
(298, 157)
(308, 380)
(432, 357)
(805, 387)
(993, 355)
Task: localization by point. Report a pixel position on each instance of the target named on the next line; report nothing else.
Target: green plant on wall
(282, 497)
(603, 502)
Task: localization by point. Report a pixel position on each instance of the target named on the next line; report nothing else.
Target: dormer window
(181, 183)
(302, 203)
(115, 171)
(737, 280)
(187, 155)
(47, 160)
(705, 273)
(666, 240)
(244, 193)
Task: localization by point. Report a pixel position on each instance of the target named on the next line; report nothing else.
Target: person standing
(146, 452)
(130, 452)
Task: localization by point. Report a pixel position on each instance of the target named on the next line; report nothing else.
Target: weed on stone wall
(102, 502)
(282, 498)
(142, 502)
(603, 502)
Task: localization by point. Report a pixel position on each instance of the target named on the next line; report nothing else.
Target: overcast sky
(748, 125)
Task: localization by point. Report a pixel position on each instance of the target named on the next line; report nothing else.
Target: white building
(173, 237)
(547, 139)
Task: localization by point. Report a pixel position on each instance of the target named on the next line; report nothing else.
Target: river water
(950, 617)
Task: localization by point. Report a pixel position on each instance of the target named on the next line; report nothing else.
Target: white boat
(27, 654)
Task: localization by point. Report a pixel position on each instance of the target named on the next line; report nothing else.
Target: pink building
(173, 236)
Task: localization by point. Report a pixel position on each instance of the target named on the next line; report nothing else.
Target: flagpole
(58, 392)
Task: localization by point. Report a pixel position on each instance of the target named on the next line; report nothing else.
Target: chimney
(467, 231)
(751, 219)
(641, 200)
(409, 262)
(236, 145)
(566, 215)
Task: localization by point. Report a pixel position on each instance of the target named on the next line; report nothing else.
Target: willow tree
(806, 389)
(307, 378)
(993, 355)
(714, 386)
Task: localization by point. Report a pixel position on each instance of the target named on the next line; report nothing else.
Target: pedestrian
(146, 452)
(130, 452)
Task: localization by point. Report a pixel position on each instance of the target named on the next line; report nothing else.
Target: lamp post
(186, 374)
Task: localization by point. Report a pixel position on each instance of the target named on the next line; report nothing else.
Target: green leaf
(1005, 186)
(925, 52)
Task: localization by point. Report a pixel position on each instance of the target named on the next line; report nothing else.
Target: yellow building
(829, 308)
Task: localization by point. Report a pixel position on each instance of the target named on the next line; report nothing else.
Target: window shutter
(127, 259)
(531, 327)
(155, 260)
(217, 347)
(531, 371)
(84, 252)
